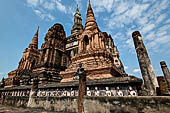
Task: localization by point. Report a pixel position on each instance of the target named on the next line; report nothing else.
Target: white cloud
(137, 10)
(152, 44)
(126, 67)
(168, 21)
(160, 18)
(162, 33)
(163, 39)
(122, 7)
(142, 21)
(127, 13)
(147, 28)
(102, 5)
(41, 1)
(150, 36)
(53, 4)
(50, 17)
(145, 1)
(44, 8)
(61, 7)
(164, 4)
(136, 70)
(118, 36)
(49, 5)
(33, 2)
(129, 42)
(78, 2)
(150, 17)
(1, 73)
(44, 15)
(164, 28)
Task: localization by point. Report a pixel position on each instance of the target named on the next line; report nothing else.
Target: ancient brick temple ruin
(57, 60)
(57, 65)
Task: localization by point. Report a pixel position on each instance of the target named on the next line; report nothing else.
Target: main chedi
(92, 53)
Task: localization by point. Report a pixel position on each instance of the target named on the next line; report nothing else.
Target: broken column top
(163, 63)
(136, 33)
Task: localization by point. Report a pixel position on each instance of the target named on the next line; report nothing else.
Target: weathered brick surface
(140, 104)
(165, 72)
(10, 109)
(146, 67)
(127, 105)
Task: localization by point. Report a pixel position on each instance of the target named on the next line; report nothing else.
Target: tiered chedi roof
(30, 54)
(90, 19)
(34, 42)
(77, 27)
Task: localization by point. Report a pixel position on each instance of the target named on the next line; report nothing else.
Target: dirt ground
(10, 109)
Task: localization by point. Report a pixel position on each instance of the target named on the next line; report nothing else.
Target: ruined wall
(14, 101)
(127, 104)
(140, 104)
(58, 104)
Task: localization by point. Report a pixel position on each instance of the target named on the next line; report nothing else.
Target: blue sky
(19, 20)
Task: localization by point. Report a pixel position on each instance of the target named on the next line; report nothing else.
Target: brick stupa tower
(92, 53)
(22, 74)
(52, 57)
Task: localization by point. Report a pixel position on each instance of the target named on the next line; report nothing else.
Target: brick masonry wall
(15, 101)
(142, 104)
(139, 104)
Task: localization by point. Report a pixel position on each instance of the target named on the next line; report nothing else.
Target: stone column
(82, 87)
(166, 72)
(81, 92)
(33, 92)
(147, 70)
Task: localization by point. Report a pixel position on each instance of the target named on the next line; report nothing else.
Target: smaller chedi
(55, 64)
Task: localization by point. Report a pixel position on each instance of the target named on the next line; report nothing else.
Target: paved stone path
(10, 109)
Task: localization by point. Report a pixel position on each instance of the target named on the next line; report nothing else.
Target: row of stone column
(149, 76)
